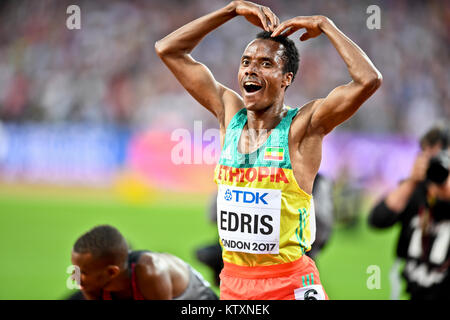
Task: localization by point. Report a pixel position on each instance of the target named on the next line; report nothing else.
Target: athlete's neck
(265, 119)
(259, 126)
(121, 285)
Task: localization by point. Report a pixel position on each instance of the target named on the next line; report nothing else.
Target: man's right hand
(256, 14)
(175, 51)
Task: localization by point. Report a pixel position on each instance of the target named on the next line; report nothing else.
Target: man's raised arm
(195, 77)
(342, 102)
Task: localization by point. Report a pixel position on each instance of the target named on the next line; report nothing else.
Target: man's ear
(113, 271)
(287, 79)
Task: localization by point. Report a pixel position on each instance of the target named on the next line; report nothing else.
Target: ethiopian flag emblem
(274, 153)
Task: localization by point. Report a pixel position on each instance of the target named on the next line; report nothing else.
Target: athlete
(108, 270)
(270, 153)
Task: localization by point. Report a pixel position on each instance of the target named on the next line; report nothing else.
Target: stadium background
(86, 118)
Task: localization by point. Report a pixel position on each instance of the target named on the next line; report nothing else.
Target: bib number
(249, 219)
(314, 292)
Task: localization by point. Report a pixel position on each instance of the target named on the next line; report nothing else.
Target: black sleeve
(382, 217)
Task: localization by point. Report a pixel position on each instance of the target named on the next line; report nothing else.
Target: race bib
(313, 292)
(249, 219)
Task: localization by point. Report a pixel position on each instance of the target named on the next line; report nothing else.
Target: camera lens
(438, 168)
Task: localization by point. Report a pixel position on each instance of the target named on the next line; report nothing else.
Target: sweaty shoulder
(147, 265)
(153, 278)
(301, 123)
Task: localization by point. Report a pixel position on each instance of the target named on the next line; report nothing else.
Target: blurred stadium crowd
(108, 72)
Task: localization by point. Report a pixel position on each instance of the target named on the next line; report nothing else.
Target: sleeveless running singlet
(264, 218)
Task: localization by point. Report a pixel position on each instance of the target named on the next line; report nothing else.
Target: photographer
(421, 204)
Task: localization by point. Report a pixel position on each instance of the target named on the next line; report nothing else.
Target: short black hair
(437, 134)
(104, 242)
(291, 56)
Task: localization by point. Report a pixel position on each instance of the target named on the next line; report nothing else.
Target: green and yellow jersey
(263, 216)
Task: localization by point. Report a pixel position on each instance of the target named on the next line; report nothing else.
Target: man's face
(94, 276)
(260, 76)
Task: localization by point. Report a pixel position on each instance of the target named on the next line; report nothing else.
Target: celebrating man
(270, 153)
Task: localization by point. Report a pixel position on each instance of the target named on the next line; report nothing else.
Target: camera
(438, 168)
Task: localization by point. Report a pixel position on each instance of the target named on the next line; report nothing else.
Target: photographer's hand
(399, 197)
(418, 172)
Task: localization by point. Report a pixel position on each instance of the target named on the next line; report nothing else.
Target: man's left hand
(311, 24)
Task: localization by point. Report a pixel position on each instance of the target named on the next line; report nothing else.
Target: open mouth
(252, 87)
